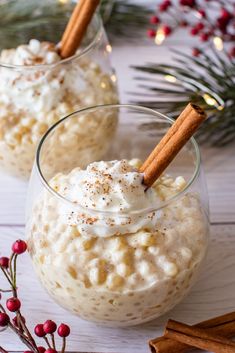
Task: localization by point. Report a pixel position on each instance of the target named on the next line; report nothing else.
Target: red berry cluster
(13, 304)
(209, 25)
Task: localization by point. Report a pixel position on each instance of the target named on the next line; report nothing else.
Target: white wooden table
(214, 292)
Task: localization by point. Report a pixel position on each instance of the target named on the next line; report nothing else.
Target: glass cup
(125, 278)
(33, 98)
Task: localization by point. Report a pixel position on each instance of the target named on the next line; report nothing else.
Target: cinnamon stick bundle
(223, 325)
(198, 337)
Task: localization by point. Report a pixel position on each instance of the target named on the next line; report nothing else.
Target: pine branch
(208, 81)
(20, 20)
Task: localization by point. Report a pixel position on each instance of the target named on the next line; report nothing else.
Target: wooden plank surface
(212, 295)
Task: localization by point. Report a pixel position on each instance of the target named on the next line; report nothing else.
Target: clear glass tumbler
(127, 278)
(34, 97)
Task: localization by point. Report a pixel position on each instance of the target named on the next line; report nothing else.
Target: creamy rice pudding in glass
(102, 246)
(37, 88)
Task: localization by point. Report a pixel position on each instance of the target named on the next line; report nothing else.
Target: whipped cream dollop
(112, 197)
(34, 53)
(32, 86)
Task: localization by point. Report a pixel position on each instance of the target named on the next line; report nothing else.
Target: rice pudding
(37, 89)
(112, 253)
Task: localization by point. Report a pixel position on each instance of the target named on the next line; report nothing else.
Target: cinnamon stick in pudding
(176, 137)
(72, 21)
(198, 337)
(77, 27)
(222, 325)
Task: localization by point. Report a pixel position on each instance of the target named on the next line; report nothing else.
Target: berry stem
(6, 275)
(14, 272)
(47, 342)
(5, 290)
(22, 337)
(63, 345)
(2, 350)
(53, 341)
(2, 309)
(26, 330)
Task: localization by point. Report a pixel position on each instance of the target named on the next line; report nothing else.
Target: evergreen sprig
(21, 20)
(207, 80)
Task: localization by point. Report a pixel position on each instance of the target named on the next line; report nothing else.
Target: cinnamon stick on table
(198, 337)
(223, 325)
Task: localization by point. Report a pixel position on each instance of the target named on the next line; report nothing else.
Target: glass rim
(84, 51)
(121, 214)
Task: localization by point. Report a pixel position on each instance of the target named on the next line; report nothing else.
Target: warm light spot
(160, 36)
(114, 78)
(63, 1)
(211, 101)
(103, 85)
(109, 48)
(218, 43)
(170, 78)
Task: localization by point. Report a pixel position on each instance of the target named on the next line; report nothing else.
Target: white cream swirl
(33, 88)
(112, 197)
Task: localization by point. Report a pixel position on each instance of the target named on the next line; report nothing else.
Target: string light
(114, 78)
(211, 101)
(160, 36)
(218, 43)
(109, 48)
(170, 78)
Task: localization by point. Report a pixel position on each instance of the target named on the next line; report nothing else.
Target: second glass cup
(97, 247)
(34, 96)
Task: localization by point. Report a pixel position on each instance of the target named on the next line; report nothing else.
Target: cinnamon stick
(77, 28)
(72, 21)
(173, 129)
(198, 337)
(223, 325)
(177, 136)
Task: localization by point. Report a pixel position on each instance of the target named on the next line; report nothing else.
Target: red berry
(28, 351)
(166, 30)
(19, 247)
(41, 349)
(189, 3)
(200, 26)
(63, 330)
(232, 52)
(4, 319)
(49, 326)
(164, 6)
(15, 321)
(4, 262)
(154, 20)
(194, 31)
(39, 331)
(196, 52)
(204, 37)
(50, 350)
(225, 14)
(151, 33)
(202, 13)
(183, 23)
(13, 304)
